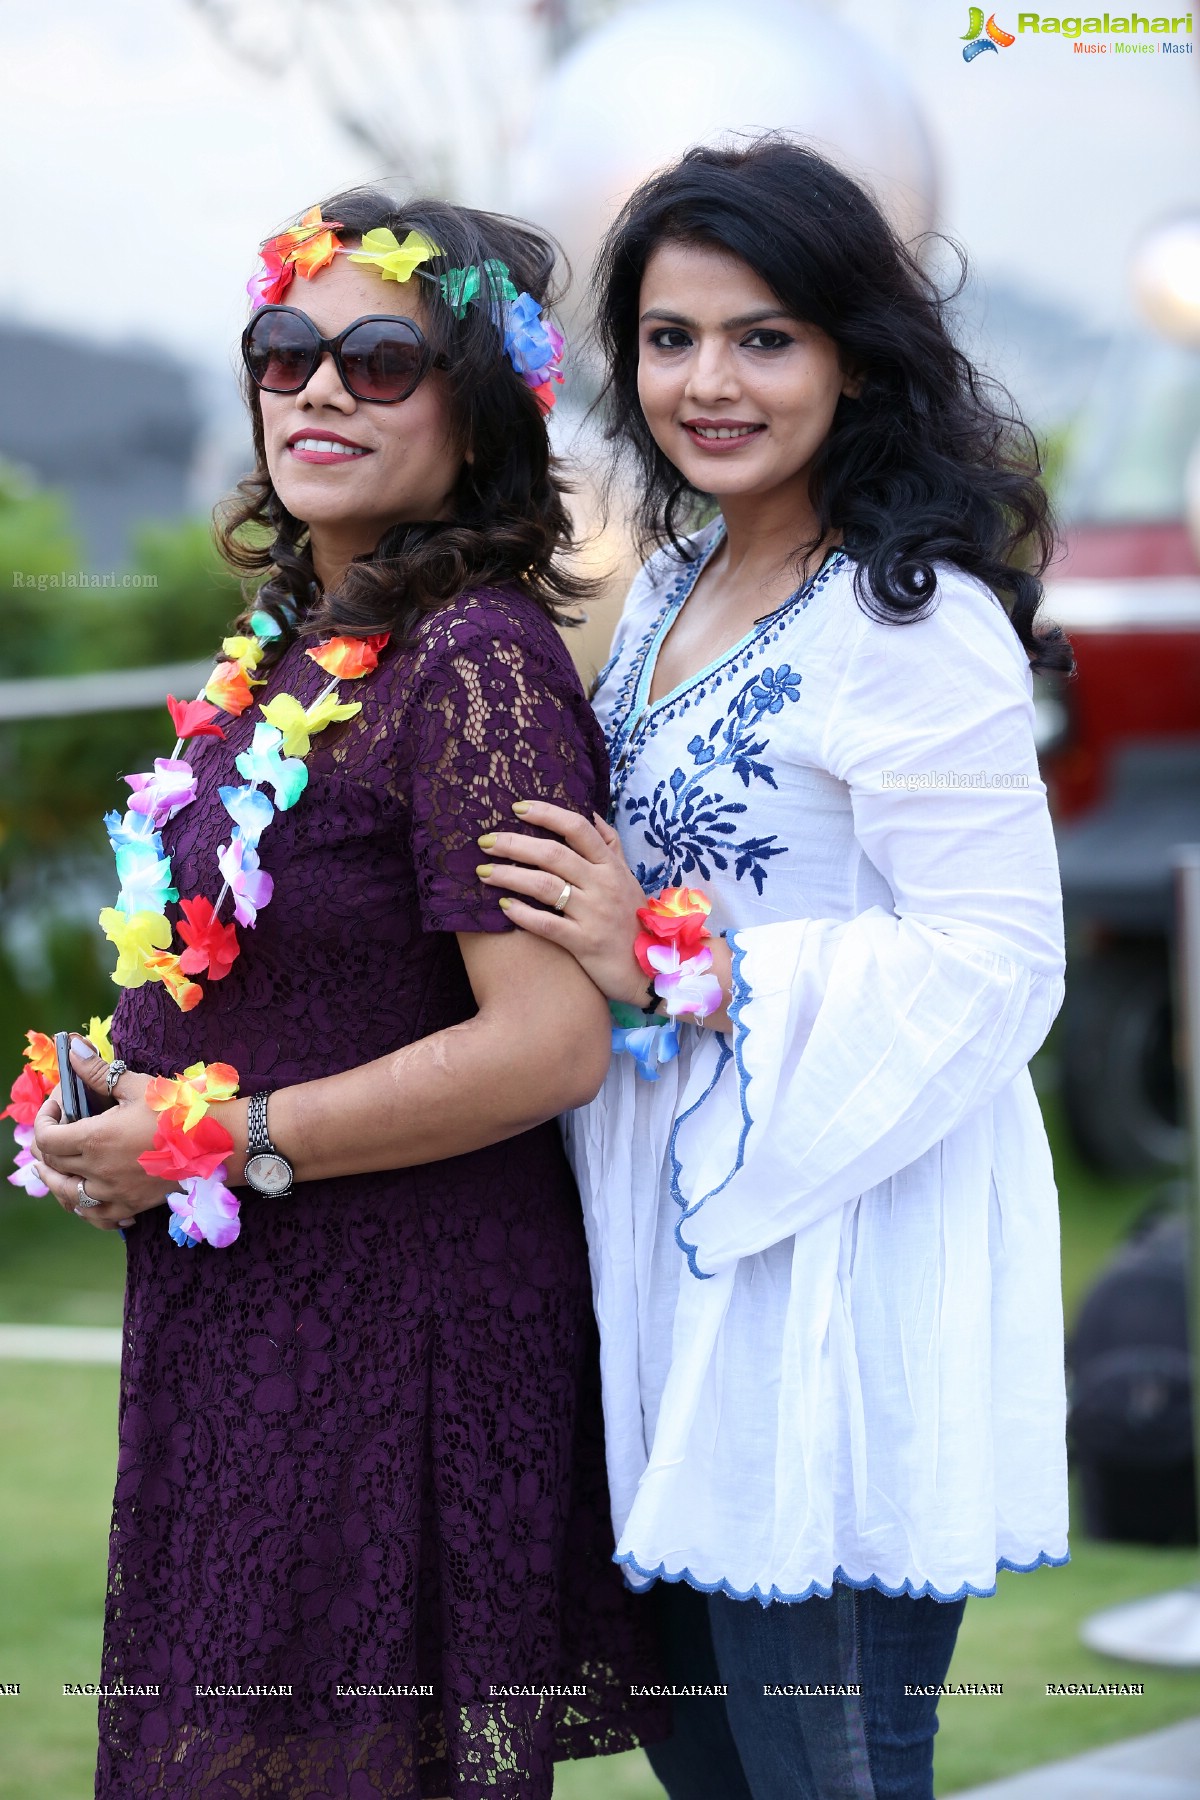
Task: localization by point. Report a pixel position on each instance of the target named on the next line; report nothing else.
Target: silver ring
(83, 1200)
(115, 1071)
(564, 899)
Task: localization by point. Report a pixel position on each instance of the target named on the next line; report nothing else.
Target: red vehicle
(1120, 754)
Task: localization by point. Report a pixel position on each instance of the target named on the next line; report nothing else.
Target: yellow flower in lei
(244, 650)
(42, 1057)
(164, 966)
(299, 723)
(230, 688)
(187, 1097)
(97, 1034)
(138, 936)
(395, 261)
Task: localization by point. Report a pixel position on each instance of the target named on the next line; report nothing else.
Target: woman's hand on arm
(599, 923)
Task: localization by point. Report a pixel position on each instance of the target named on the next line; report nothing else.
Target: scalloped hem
(815, 1589)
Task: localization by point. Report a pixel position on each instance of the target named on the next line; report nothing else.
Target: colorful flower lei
(533, 345)
(37, 1080)
(672, 948)
(188, 1146)
(137, 925)
(191, 1148)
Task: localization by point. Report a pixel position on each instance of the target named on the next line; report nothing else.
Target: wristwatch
(267, 1170)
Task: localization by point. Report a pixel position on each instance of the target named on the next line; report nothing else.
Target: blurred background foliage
(58, 776)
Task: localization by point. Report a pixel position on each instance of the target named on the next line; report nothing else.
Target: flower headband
(532, 344)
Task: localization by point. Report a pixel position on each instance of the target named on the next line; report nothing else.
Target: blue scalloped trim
(740, 998)
(925, 1592)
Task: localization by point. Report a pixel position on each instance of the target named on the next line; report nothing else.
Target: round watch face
(268, 1173)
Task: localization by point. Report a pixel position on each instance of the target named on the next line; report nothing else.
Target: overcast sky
(141, 162)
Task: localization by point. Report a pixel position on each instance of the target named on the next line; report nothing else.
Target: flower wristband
(672, 950)
(191, 1147)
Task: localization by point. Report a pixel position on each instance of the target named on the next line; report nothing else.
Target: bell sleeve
(858, 1044)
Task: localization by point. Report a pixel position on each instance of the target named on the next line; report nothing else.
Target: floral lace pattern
(361, 1539)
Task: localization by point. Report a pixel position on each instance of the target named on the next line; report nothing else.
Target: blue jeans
(877, 1745)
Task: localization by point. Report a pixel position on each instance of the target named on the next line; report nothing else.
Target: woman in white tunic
(824, 1238)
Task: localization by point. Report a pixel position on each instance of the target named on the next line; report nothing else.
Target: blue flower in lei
(691, 825)
(527, 343)
(145, 878)
(649, 1041)
(249, 808)
(130, 828)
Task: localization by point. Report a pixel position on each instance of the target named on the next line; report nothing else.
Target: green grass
(1028, 1635)
(54, 1269)
(57, 1426)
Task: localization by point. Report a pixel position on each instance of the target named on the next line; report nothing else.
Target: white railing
(110, 690)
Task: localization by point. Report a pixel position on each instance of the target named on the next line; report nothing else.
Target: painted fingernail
(487, 841)
(505, 904)
(520, 806)
(484, 869)
(81, 1050)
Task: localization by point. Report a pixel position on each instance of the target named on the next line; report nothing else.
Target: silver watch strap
(258, 1138)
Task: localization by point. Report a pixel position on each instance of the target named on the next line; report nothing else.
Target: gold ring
(564, 899)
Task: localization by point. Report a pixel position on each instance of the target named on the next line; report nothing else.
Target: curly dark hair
(509, 521)
(931, 461)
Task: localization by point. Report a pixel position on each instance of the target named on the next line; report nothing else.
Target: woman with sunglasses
(824, 1232)
(361, 1543)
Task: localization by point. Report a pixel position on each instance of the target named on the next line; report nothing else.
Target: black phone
(75, 1097)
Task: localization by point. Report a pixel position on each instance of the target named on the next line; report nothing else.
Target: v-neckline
(643, 707)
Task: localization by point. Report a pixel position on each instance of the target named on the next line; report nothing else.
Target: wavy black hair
(930, 462)
(509, 520)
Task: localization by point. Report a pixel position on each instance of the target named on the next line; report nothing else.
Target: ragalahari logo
(979, 37)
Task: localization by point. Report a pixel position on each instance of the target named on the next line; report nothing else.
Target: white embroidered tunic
(825, 1247)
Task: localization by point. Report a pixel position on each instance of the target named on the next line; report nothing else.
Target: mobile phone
(75, 1104)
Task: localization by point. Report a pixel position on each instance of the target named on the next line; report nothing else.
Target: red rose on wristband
(178, 1154)
(28, 1092)
(674, 916)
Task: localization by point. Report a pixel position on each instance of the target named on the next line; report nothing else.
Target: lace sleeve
(499, 716)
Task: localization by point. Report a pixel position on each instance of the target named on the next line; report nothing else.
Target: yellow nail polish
(484, 868)
(505, 904)
(520, 806)
(487, 841)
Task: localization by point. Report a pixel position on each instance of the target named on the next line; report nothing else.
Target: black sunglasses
(379, 357)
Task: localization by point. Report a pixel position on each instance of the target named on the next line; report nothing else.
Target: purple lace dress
(361, 1538)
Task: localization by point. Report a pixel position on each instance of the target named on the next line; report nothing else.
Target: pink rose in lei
(250, 886)
(206, 1210)
(684, 982)
(165, 793)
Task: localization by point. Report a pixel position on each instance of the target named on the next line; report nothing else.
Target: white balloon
(1166, 278)
(663, 76)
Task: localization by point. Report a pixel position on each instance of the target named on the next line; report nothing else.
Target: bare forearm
(458, 1090)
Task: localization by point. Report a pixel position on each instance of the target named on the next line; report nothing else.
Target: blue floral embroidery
(691, 826)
